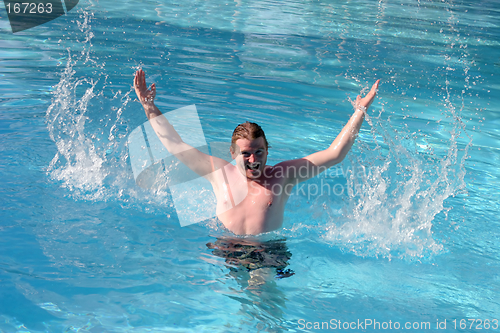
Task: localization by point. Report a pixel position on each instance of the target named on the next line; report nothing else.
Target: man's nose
(251, 159)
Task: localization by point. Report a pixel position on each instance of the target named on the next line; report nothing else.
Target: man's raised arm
(194, 159)
(322, 160)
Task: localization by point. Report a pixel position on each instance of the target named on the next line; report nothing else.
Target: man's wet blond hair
(249, 131)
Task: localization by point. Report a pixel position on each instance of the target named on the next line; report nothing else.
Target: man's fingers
(373, 90)
(137, 78)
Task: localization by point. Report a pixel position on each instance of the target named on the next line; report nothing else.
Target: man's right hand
(146, 96)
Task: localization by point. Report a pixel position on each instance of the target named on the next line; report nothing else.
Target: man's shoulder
(286, 169)
(296, 170)
(291, 164)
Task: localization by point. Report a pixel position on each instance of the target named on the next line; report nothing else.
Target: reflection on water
(256, 266)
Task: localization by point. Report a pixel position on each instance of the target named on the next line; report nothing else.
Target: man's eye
(246, 154)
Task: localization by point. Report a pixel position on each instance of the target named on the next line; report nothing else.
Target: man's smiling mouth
(253, 166)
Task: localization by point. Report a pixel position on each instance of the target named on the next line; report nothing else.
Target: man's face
(250, 156)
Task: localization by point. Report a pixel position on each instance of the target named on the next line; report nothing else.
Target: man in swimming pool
(251, 195)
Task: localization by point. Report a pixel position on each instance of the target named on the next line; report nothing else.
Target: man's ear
(235, 151)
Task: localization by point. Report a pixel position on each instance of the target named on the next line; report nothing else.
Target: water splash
(85, 121)
(395, 193)
(402, 179)
(399, 184)
(89, 123)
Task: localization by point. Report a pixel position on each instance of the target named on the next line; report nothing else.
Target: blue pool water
(411, 235)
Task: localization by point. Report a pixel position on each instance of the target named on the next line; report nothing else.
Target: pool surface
(403, 235)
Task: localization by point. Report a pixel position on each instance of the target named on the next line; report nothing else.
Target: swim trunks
(254, 255)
